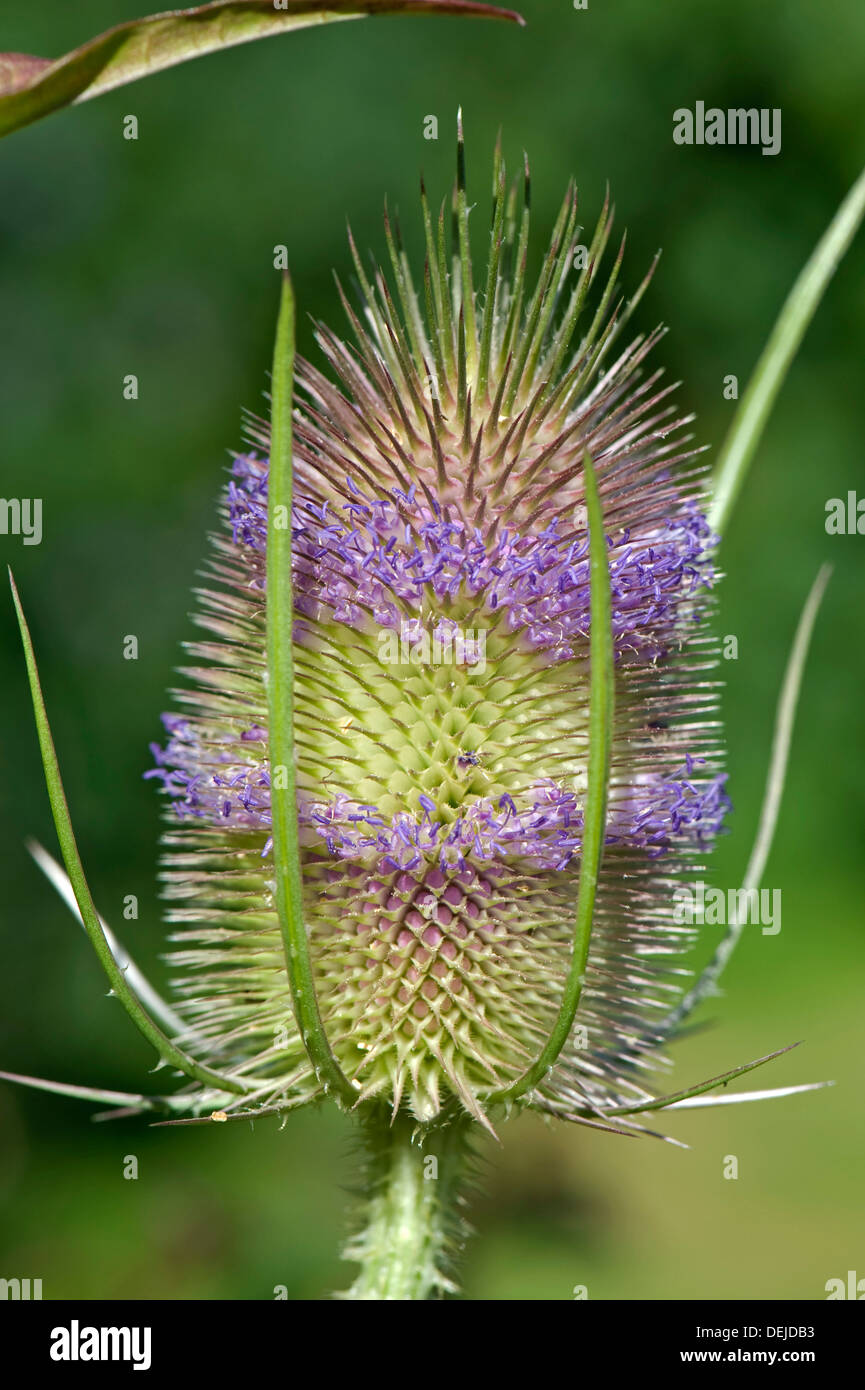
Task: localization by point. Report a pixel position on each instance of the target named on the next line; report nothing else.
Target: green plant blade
(280, 699)
(601, 706)
(32, 87)
(706, 984)
(740, 1097)
(227, 1117)
(169, 1052)
(663, 1102)
(61, 1088)
(754, 409)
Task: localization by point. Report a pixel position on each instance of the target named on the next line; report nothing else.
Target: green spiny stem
(412, 1225)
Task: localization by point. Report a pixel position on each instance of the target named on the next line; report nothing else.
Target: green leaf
(601, 706)
(280, 698)
(168, 1051)
(33, 87)
(799, 308)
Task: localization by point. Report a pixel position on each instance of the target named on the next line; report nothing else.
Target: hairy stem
(412, 1224)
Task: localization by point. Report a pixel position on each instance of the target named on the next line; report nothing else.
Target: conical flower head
(440, 555)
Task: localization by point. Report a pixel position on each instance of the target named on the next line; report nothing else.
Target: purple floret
(382, 558)
(387, 560)
(542, 826)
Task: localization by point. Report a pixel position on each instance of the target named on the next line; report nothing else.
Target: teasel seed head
(441, 572)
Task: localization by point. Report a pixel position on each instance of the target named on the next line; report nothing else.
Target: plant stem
(412, 1223)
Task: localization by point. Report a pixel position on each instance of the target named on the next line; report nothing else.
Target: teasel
(431, 889)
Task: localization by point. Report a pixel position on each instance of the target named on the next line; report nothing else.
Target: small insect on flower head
(441, 571)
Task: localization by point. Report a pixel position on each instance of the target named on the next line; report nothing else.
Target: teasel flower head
(449, 745)
(441, 568)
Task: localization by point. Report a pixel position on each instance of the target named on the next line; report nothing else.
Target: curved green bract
(32, 87)
(601, 706)
(280, 698)
(801, 304)
(61, 1088)
(702, 1087)
(706, 984)
(734, 460)
(168, 1051)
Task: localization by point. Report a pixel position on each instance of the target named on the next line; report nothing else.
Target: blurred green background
(155, 257)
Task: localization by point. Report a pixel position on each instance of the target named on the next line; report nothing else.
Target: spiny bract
(441, 575)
